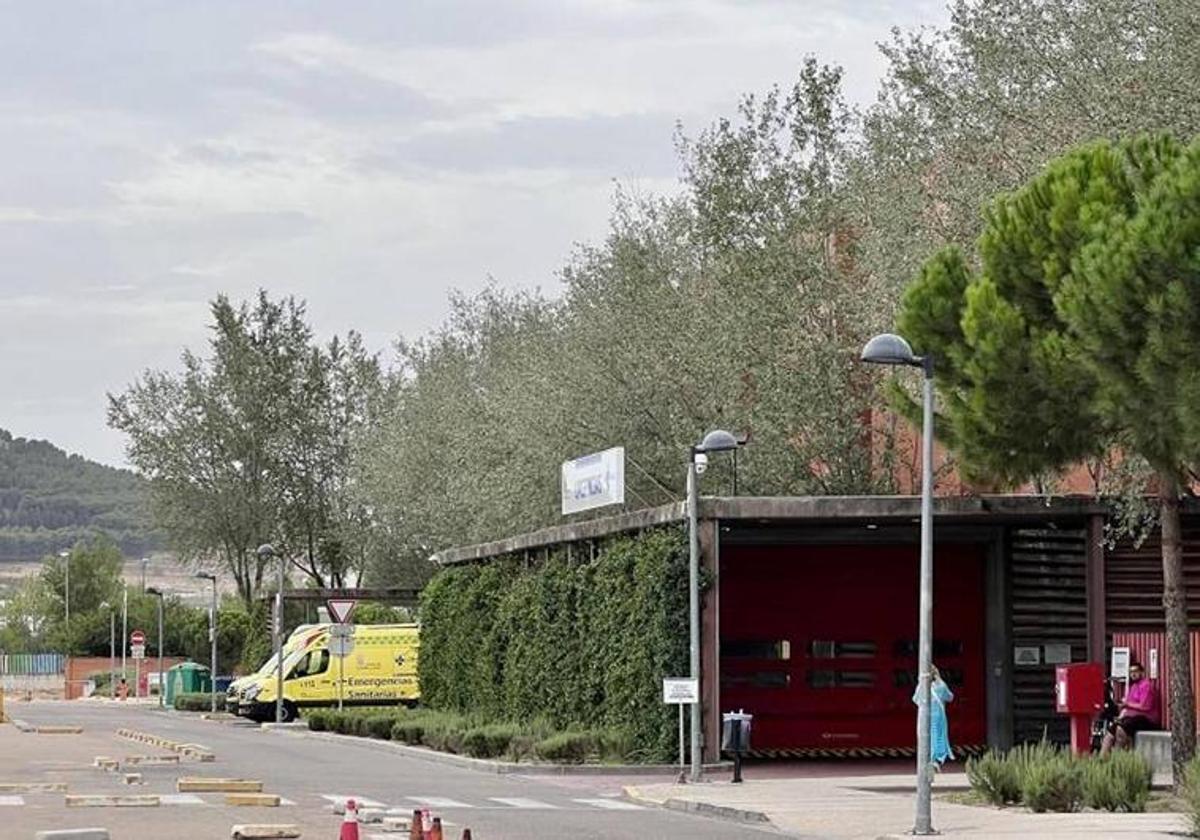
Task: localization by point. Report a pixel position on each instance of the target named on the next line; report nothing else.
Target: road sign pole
(682, 766)
(341, 679)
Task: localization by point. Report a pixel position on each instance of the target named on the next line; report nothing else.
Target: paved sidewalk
(872, 807)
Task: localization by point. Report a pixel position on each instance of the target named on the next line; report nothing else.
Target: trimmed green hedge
(194, 701)
(472, 735)
(579, 643)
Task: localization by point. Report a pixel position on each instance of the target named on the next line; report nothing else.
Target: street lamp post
(66, 558)
(145, 562)
(715, 441)
(888, 349)
(112, 648)
(212, 634)
(162, 682)
(265, 552)
(124, 627)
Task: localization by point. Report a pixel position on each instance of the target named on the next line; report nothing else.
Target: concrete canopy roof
(767, 510)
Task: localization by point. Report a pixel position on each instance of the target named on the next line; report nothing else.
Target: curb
(704, 809)
(723, 812)
(483, 765)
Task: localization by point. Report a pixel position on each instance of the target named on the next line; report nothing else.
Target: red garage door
(819, 643)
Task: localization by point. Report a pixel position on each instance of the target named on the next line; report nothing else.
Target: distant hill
(49, 499)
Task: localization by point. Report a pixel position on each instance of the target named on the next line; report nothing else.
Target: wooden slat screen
(1133, 582)
(1049, 606)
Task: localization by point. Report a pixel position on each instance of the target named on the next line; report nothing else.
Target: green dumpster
(187, 677)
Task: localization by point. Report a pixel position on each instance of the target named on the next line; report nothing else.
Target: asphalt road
(310, 772)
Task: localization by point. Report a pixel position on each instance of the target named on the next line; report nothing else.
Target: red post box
(1079, 692)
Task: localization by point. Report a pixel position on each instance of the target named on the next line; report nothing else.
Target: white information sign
(1027, 655)
(594, 481)
(681, 690)
(1153, 663)
(1119, 668)
(137, 651)
(1058, 654)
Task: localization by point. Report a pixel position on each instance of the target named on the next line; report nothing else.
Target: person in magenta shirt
(1139, 711)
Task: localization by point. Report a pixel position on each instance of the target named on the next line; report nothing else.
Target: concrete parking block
(59, 730)
(110, 801)
(262, 800)
(132, 778)
(74, 834)
(151, 759)
(264, 832)
(199, 784)
(33, 787)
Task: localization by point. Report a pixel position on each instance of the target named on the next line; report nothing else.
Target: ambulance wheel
(289, 712)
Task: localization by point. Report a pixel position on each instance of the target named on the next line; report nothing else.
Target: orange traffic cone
(350, 822)
(436, 832)
(415, 830)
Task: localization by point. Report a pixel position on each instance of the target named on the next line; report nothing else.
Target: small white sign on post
(594, 481)
(1119, 667)
(681, 690)
(137, 651)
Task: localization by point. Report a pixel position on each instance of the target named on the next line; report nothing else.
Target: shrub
(1024, 756)
(193, 701)
(995, 778)
(1052, 784)
(378, 725)
(614, 745)
(318, 719)
(1191, 794)
(566, 747)
(445, 733)
(489, 741)
(522, 748)
(408, 730)
(1118, 782)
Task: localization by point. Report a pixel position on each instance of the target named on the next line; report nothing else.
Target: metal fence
(32, 664)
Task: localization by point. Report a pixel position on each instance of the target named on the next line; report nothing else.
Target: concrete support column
(998, 647)
(710, 639)
(1097, 622)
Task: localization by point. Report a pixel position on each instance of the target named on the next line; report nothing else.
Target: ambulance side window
(313, 663)
(318, 662)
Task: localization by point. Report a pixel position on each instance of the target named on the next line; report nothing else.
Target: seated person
(1139, 711)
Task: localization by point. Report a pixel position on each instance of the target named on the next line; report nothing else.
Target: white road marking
(610, 804)
(520, 802)
(361, 801)
(439, 802)
(12, 800)
(180, 799)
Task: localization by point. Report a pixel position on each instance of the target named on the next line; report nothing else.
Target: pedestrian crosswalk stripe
(180, 799)
(521, 802)
(439, 802)
(609, 804)
(12, 800)
(361, 801)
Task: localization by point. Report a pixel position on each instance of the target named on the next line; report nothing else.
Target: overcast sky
(367, 157)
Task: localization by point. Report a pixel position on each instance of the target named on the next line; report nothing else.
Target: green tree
(94, 579)
(253, 443)
(1076, 334)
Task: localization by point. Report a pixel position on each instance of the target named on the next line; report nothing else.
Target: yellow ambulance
(300, 637)
(378, 668)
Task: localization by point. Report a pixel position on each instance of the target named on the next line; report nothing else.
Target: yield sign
(340, 608)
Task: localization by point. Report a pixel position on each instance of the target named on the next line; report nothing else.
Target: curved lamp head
(889, 349)
(205, 576)
(153, 590)
(718, 440)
